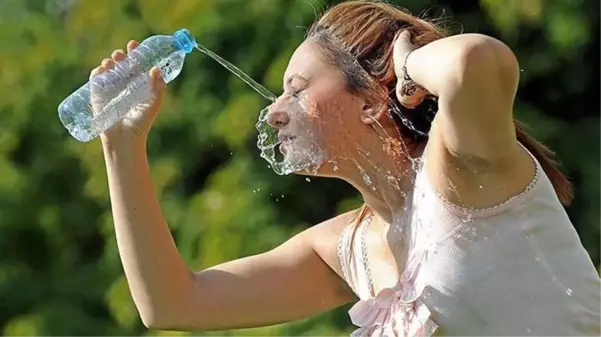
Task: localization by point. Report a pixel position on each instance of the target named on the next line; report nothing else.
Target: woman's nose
(277, 117)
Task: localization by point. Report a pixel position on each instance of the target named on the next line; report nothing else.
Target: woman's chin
(301, 161)
(316, 170)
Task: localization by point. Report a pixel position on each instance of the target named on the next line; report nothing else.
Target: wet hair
(360, 34)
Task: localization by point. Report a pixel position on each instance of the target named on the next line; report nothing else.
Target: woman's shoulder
(325, 239)
(326, 234)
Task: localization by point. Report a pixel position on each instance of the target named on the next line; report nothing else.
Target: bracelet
(408, 86)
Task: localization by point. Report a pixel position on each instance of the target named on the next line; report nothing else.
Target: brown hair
(363, 32)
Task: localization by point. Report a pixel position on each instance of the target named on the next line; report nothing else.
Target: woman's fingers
(402, 47)
(158, 84)
(131, 45)
(118, 55)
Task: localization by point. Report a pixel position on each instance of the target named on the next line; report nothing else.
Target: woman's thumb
(158, 85)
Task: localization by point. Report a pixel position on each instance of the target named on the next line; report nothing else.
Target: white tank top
(517, 268)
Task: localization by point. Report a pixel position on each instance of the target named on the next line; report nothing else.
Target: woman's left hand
(409, 93)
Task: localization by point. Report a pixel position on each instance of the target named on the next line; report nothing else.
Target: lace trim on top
(340, 250)
(391, 312)
(344, 244)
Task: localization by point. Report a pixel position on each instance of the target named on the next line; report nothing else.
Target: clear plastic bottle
(108, 97)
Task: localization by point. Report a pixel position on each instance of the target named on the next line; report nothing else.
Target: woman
(462, 232)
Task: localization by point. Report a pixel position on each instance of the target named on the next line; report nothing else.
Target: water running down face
(317, 122)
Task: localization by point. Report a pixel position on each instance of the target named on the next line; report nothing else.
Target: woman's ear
(375, 105)
(372, 112)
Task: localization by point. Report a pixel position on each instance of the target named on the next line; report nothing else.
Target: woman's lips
(285, 141)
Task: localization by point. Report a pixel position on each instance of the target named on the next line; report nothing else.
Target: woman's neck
(384, 181)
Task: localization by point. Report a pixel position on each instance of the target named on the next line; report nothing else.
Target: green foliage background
(59, 268)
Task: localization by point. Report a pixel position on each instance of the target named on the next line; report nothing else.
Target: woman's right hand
(136, 125)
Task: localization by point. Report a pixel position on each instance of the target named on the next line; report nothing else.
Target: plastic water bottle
(108, 97)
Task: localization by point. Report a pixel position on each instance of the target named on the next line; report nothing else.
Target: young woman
(462, 232)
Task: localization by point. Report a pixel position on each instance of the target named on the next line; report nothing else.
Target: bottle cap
(185, 41)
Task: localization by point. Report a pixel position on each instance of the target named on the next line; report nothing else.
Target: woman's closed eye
(295, 84)
(295, 92)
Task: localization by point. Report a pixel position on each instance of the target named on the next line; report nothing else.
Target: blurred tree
(60, 272)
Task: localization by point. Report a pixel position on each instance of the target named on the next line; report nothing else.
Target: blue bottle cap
(185, 41)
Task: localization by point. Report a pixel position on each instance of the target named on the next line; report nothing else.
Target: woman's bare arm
(293, 281)
(473, 154)
(475, 78)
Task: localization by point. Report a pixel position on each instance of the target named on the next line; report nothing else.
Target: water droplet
(308, 180)
(480, 186)
(231, 153)
(521, 70)
(569, 292)
(258, 190)
(528, 329)
(366, 178)
(254, 191)
(277, 200)
(282, 196)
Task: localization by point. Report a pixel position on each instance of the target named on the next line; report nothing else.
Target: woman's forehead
(305, 61)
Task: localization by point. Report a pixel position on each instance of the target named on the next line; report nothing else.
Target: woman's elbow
(154, 320)
(172, 318)
(484, 59)
(156, 317)
(159, 323)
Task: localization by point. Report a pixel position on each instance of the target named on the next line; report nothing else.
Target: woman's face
(318, 120)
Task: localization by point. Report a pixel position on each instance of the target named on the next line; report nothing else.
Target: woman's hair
(361, 33)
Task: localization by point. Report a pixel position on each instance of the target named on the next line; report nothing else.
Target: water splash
(394, 108)
(295, 148)
(236, 71)
(268, 141)
(366, 178)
